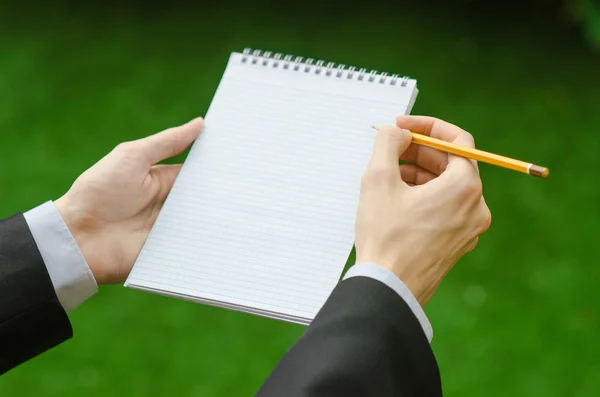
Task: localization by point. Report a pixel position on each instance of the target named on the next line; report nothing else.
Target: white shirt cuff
(391, 280)
(70, 274)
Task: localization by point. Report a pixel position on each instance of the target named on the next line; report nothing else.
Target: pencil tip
(375, 127)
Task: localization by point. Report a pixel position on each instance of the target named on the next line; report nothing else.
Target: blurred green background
(519, 316)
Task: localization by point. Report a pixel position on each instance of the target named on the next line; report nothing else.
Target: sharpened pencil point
(375, 127)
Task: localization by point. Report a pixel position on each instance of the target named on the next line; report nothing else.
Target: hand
(419, 219)
(112, 206)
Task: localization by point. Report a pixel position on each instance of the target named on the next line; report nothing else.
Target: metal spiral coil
(319, 67)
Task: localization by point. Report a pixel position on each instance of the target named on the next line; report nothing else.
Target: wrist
(408, 271)
(81, 228)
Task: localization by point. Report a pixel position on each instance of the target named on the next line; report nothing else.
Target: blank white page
(261, 217)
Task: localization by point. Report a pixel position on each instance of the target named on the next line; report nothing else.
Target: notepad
(261, 217)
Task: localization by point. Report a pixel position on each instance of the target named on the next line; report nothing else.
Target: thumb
(390, 143)
(170, 142)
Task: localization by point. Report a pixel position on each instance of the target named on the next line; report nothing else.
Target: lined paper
(261, 217)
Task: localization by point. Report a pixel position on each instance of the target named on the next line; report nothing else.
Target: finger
(441, 129)
(169, 142)
(415, 175)
(166, 175)
(461, 163)
(432, 160)
(390, 143)
(431, 126)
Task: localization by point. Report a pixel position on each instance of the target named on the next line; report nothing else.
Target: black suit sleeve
(32, 320)
(365, 341)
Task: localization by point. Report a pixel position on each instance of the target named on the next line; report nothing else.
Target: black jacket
(365, 341)
(32, 320)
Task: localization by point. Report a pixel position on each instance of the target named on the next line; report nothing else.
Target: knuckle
(472, 187)
(124, 147)
(469, 137)
(465, 138)
(485, 221)
(471, 246)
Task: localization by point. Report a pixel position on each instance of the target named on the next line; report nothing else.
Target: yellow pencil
(480, 155)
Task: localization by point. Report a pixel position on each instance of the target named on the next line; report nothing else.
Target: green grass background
(519, 316)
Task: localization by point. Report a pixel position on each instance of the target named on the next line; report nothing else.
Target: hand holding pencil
(425, 131)
(417, 220)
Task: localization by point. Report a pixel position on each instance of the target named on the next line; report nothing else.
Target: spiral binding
(319, 67)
